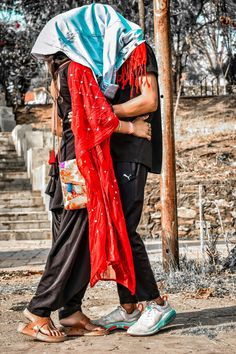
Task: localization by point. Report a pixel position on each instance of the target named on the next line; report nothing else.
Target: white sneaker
(153, 319)
(118, 319)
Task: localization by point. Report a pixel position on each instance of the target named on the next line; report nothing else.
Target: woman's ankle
(31, 316)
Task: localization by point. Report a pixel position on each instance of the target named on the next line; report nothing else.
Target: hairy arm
(145, 103)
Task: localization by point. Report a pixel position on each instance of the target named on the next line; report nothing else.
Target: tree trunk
(141, 10)
(170, 250)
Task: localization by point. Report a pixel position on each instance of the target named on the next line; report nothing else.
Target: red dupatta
(93, 122)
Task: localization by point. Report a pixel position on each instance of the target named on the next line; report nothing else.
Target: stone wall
(38, 116)
(209, 162)
(219, 208)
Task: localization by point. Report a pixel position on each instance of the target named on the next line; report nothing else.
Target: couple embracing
(105, 76)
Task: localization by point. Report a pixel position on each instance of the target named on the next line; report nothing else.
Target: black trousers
(66, 275)
(67, 271)
(132, 178)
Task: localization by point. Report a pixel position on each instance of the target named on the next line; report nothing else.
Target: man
(133, 158)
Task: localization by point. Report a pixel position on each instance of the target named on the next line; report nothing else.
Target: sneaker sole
(119, 325)
(166, 319)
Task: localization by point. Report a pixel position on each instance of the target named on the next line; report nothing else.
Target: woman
(67, 271)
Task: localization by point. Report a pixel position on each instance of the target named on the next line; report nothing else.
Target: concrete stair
(22, 212)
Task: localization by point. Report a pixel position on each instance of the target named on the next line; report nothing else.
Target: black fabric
(67, 269)
(128, 148)
(131, 178)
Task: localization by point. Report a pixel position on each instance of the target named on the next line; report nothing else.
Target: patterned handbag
(73, 185)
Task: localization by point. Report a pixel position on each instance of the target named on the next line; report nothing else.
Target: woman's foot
(40, 328)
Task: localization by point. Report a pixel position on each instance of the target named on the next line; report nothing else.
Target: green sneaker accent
(166, 319)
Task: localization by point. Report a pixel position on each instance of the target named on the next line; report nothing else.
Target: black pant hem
(39, 312)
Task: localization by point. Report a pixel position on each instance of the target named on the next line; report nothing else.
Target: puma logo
(127, 176)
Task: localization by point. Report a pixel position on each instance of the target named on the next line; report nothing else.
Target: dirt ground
(203, 325)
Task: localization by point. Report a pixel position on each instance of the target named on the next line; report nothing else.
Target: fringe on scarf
(134, 68)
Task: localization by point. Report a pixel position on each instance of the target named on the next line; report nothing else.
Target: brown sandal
(33, 329)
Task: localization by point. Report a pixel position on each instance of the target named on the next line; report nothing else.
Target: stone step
(13, 185)
(5, 145)
(10, 163)
(11, 175)
(5, 140)
(11, 158)
(7, 148)
(21, 203)
(43, 234)
(12, 168)
(26, 225)
(21, 208)
(5, 134)
(8, 151)
(23, 215)
(19, 195)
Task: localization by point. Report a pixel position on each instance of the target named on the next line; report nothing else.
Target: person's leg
(131, 178)
(67, 269)
(73, 306)
(56, 222)
(158, 313)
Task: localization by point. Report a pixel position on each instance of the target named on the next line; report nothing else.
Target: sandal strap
(40, 323)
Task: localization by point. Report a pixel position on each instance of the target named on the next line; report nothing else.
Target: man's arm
(145, 103)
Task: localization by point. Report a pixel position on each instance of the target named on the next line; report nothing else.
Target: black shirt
(128, 148)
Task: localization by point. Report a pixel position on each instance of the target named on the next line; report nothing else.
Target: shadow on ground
(205, 317)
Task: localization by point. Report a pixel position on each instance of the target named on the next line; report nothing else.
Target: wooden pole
(170, 249)
(141, 10)
(202, 235)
